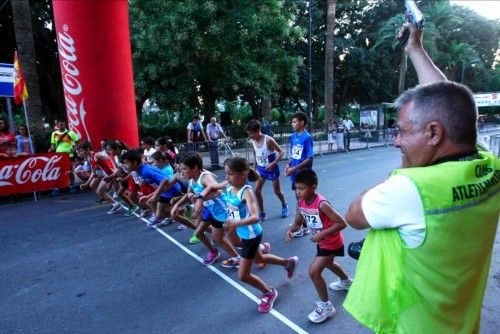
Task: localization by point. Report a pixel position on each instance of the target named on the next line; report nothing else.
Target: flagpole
(31, 139)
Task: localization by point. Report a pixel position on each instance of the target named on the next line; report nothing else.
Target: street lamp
(309, 52)
(464, 65)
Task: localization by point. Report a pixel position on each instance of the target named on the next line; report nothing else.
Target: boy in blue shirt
(154, 176)
(301, 156)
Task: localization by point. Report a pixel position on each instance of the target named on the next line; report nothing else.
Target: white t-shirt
(396, 204)
(348, 124)
(148, 154)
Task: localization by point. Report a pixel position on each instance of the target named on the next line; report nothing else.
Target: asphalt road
(68, 267)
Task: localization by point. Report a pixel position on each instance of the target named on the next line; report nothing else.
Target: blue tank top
(237, 210)
(217, 206)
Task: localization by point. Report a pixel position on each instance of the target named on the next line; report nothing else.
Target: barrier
(32, 173)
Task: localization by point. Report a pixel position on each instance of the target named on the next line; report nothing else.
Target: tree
(26, 49)
(189, 54)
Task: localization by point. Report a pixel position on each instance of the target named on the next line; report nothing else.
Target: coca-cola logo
(26, 172)
(72, 87)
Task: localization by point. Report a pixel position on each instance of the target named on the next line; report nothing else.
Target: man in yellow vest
(425, 261)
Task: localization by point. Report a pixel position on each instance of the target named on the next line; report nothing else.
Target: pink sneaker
(291, 266)
(267, 301)
(211, 257)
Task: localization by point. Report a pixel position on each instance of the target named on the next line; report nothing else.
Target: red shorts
(146, 189)
(131, 185)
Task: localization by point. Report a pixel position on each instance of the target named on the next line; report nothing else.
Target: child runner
(214, 213)
(243, 216)
(301, 156)
(148, 144)
(325, 225)
(149, 174)
(266, 164)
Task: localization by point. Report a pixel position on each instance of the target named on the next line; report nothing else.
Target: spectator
(332, 133)
(24, 144)
(424, 265)
(340, 135)
(195, 134)
(63, 141)
(348, 128)
(6, 136)
(214, 132)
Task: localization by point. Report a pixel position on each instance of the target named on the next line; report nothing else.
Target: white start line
(226, 278)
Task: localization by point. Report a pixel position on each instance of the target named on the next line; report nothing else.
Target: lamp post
(309, 55)
(464, 65)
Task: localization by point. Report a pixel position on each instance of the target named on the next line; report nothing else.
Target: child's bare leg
(200, 234)
(315, 269)
(218, 235)
(245, 275)
(337, 269)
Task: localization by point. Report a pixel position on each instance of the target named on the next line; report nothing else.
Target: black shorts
(164, 200)
(328, 252)
(250, 247)
(215, 223)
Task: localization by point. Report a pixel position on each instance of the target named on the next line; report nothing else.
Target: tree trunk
(209, 99)
(402, 72)
(265, 108)
(26, 50)
(329, 65)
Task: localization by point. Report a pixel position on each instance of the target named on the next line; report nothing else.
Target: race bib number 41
(233, 212)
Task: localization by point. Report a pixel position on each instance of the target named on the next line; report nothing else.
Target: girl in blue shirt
(244, 218)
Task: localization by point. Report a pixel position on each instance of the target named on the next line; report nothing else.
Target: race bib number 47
(297, 151)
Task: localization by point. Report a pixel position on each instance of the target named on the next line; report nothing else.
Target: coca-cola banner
(34, 173)
(93, 40)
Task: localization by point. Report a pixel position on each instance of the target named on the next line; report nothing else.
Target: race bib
(137, 179)
(313, 220)
(297, 151)
(262, 161)
(233, 212)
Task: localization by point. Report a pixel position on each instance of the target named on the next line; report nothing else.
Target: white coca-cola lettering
(72, 87)
(6, 173)
(49, 172)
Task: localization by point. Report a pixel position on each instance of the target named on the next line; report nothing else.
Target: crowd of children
(157, 183)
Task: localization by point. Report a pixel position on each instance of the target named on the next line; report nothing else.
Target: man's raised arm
(426, 70)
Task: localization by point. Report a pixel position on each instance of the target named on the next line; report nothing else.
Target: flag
(20, 90)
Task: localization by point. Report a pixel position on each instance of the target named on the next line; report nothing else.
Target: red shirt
(5, 138)
(317, 221)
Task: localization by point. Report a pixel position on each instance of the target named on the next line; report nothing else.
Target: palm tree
(26, 49)
(329, 66)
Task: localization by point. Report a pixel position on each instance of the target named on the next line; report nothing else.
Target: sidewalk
(321, 146)
(320, 149)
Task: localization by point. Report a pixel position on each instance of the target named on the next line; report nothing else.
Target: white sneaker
(114, 208)
(340, 285)
(181, 227)
(302, 231)
(321, 313)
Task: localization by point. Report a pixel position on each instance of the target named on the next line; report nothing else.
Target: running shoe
(264, 249)
(232, 262)
(301, 232)
(267, 300)
(284, 211)
(114, 208)
(340, 285)
(262, 216)
(193, 240)
(55, 192)
(181, 227)
(322, 312)
(130, 211)
(211, 257)
(152, 223)
(290, 267)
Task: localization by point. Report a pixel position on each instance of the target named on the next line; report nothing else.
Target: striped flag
(20, 90)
